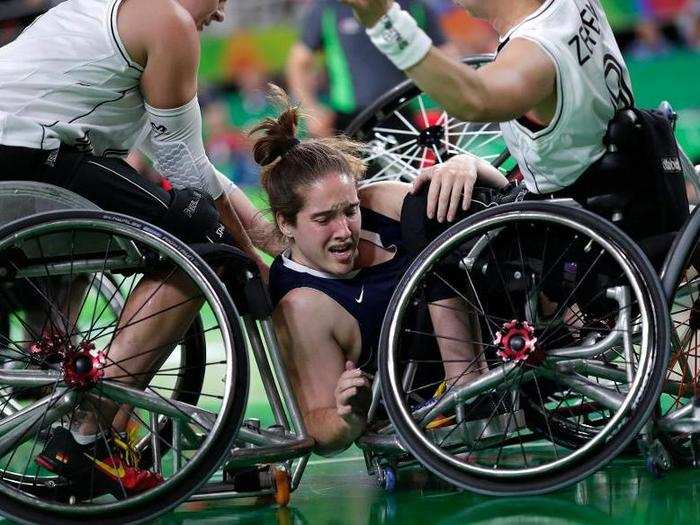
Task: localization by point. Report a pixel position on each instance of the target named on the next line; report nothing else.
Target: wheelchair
(572, 353)
(70, 275)
(560, 358)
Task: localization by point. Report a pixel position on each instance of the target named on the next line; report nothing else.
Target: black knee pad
(192, 217)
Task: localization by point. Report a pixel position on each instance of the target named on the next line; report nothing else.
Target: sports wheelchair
(566, 328)
(572, 348)
(68, 275)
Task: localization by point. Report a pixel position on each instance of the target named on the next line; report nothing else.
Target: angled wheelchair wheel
(406, 131)
(105, 292)
(157, 399)
(682, 383)
(544, 321)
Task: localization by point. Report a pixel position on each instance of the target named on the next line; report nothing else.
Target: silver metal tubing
(261, 437)
(31, 424)
(622, 295)
(382, 444)
(155, 442)
(19, 417)
(492, 379)
(168, 407)
(590, 367)
(299, 470)
(606, 397)
(281, 373)
(29, 378)
(266, 376)
(682, 412)
(468, 261)
(409, 375)
(685, 425)
(376, 396)
(245, 457)
(612, 339)
(10, 405)
(218, 491)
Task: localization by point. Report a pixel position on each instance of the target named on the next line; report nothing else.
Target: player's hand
(353, 394)
(321, 122)
(452, 183)
(368, 12)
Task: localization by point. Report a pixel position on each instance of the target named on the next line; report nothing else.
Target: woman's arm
(451, 185)
(385, 197)
(333, 395)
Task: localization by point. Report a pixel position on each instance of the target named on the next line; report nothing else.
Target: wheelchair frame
(368, 127)
(287, 443)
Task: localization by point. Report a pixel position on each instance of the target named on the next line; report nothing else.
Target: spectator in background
(649, 41)
(656, 33)
(689, 25)
(469, 35)
(357, 73)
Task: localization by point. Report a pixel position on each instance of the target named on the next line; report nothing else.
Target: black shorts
(110, 183)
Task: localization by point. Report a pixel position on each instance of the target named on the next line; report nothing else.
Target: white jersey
(68, 78)
(592, 83)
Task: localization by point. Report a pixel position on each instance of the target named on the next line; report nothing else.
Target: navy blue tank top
(364, 293)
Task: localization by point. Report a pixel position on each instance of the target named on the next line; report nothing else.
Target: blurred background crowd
(314, 49)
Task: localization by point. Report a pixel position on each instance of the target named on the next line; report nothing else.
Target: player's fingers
(446, 189)
(423, 177)
(455, 197)
(433, 196)
(468, 190)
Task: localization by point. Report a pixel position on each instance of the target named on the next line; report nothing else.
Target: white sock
(83, 439)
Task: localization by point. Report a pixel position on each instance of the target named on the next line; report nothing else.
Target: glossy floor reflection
(339, 492)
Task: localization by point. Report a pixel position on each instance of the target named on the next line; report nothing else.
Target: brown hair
(289, 164)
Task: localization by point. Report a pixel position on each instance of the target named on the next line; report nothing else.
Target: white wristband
(398, 36)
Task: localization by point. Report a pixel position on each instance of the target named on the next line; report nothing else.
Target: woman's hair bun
(280, 133)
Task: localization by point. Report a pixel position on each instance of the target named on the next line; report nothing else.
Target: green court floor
(337, 491)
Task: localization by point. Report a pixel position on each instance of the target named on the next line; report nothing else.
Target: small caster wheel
(283, 486)
(386, 478)
(653, 468)
(657, 459)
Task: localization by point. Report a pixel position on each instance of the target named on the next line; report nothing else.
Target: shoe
(101, 462)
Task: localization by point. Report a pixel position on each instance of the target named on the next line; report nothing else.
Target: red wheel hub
(83, 366)
(515, 341)
(51, 347)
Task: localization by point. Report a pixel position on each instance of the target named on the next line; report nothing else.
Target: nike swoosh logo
(117, 473)
(362, 294)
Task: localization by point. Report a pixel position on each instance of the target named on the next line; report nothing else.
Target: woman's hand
(353, 395)
(452, 183)
(368, 12)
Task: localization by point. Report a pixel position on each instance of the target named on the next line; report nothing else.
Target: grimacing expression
(327, 229)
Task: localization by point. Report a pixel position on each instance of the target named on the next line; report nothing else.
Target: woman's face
(327, 228)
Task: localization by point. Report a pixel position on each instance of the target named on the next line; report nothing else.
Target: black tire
(639, 404)
(683, 374)
(26, 508)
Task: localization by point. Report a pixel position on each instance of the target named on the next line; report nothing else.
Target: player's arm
(164, 38)
(522, 77)
(332, 395)
(450, 187)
